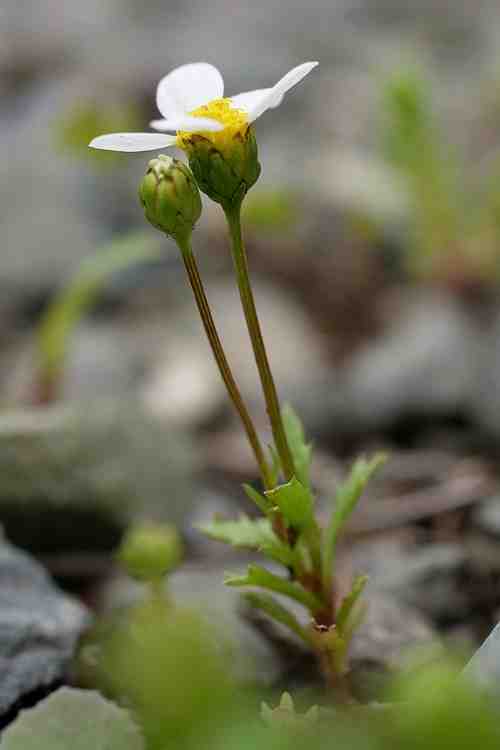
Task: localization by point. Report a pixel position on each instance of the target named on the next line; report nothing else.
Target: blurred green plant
(74, 302)
(272, 211)
(75, 127)
(150, 551)
(285, 716)
(165, 668)
(439, 708)
(167, 664)
(454, 223)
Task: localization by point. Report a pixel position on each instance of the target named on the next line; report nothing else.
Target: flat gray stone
(39, 627)
(487, 517)
(73, 478)
(484, 667)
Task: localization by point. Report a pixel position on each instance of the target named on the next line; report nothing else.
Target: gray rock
(73, 478)
(389, 631)
(39, 628)
(487, 517)
(425, 364)
(486, 401)
(427, 578)
(484, 667)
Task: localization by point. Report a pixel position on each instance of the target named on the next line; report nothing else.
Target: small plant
(454, 219)
(218, 137)
(149, 552)
(75, 300)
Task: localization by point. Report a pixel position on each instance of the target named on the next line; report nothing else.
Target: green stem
(220, 357)
(233, 216)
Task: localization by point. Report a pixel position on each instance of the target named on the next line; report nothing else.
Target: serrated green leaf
(258, 576)
(72, 719)
(278, 612)
(260, 501)
(294, 501)
(349, 603)
(346, 499)
(300, 449)
(250, 533)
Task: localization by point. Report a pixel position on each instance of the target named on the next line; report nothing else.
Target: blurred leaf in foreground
(171, 668)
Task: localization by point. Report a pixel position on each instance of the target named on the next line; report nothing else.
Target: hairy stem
(233, 216)
(220, 357)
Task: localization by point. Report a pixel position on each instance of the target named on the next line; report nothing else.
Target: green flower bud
(170, 197)
(150, 550)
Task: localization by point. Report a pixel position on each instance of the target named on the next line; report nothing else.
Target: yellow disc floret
(225, 164)
(235, 122)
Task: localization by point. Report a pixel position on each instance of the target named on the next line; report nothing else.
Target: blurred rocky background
(374, 242)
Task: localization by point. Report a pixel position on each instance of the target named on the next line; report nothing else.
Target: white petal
(249, 100)
(132, 142)
(185, 122)
(274, 96)
(188, 87)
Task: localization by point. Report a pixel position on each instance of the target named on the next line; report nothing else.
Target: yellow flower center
(235, 121)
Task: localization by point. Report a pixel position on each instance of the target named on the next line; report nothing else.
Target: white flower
(190, 98)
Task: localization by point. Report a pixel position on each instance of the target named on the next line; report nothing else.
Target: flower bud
(170, 197)
(150, 550)
(225, 165)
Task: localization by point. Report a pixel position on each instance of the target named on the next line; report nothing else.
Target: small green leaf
(250, 533)
(301, 451)
(285, 715)
(349, 603)
(75, 299)
(260, 500)
(72, 719)
(278, 612)
(346, 499)
(275, 463)
(257, 576)
(294, 501)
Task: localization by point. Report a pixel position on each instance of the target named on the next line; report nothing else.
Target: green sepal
(225, 176)
(300, 449)
(258, 576)
(295, 503)
(250, 533)
(278, 612)
(346, 499)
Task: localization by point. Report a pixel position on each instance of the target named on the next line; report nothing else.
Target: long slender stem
(233, 216)
(220, 357)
